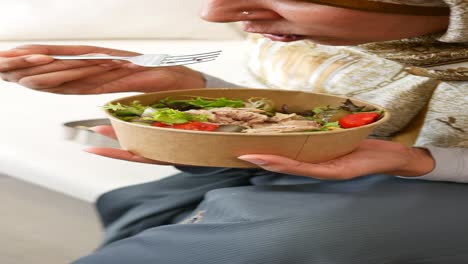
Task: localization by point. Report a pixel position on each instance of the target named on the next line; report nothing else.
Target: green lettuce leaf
(172, 116)
(330, 126)
(198, 103)
(119, 110)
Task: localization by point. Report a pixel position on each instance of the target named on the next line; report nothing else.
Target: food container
(80, 131)
(219, 149)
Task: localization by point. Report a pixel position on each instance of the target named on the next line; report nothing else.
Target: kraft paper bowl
(218, 149)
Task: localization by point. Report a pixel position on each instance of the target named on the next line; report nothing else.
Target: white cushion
(108, 19)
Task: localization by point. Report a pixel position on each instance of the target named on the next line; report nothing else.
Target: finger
(14, 53)
(116, 77)
(138, 80)
(119, 79)
(132, 79)
(122, 155)
(55, 79)
(328, 170)
(71, 50)
(9, 64)
(105, 82)
(55, 66)
(107, 131)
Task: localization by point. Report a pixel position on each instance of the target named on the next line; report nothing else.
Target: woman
(208, 215)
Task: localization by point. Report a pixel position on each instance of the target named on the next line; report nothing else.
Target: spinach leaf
(351, 107)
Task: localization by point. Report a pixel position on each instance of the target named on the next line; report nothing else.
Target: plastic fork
(151, 60)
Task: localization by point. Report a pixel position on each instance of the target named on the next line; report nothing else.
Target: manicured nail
(87, 150)
(38, 59)
(255, 161)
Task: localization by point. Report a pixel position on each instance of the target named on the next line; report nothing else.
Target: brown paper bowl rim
(382, 120)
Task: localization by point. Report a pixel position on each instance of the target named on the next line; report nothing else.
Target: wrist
(190, 79)
(419, 162)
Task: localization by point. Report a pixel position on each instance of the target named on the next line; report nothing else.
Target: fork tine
(190, 59)
(186, 63)
(194, 55)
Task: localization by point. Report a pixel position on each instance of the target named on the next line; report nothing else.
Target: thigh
(376, 219)
(130, 210)
(370, 220)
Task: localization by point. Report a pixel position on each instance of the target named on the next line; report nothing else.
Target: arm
(30, 66)
(458, 27)
(374, 157)
(451, 165)
(213, 82)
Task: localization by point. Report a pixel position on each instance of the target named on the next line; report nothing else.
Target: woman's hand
(371, 157)
(31, 67)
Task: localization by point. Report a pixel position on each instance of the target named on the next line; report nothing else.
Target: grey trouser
(227, 216)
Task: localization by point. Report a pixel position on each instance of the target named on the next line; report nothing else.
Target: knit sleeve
(458, 28)
(213, 82)
(451, 165)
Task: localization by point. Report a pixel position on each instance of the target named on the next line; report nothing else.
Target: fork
(151, 60)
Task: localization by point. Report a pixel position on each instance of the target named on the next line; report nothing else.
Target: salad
(253, 116)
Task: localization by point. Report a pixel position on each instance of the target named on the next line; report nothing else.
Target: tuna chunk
(279, 117)
(233, 116)
(285, 127)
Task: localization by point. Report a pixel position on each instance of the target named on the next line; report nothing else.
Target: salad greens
(255, 115)
(264, 104)
(330, 126)
(171, 116)
(350, 106)
(198, 103)
(134, 109)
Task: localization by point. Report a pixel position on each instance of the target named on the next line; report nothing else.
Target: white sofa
(32, 143)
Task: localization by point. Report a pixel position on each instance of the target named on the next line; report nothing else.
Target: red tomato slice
(199, 126)
(358, 119)
(160, 124)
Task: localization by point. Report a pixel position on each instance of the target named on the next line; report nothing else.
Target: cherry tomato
(358, 119)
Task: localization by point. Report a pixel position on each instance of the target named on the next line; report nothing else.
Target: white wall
(108, 19)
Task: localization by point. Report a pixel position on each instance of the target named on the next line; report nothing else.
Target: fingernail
(92, 129)
(38, 59)
(255, 161)
(87, 150)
